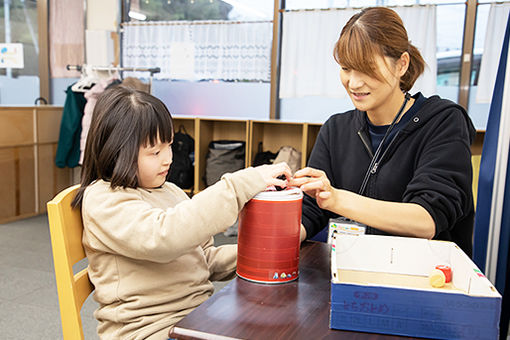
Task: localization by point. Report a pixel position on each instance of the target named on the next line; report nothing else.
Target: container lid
(288, 194)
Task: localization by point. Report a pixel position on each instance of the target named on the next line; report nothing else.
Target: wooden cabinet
(17, 182)
(28, 144)
(273, 134)
(29, 137)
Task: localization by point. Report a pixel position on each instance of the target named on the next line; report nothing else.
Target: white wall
(58, 87)
(234, 100)
(22, 90)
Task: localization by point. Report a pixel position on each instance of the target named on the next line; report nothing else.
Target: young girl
(150, 248)
(399, 164)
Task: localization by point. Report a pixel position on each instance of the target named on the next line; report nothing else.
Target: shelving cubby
(274, 134)
(208, 130)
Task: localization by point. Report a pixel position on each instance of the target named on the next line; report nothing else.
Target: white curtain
(498, 16)
(222, 50)
(307, 64)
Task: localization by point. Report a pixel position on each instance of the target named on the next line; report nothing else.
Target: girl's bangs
(156, 125)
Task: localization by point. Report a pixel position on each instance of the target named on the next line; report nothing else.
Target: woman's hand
(316, 184)
(271, 172)
(405, 219)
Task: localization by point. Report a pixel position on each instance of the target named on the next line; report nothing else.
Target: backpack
(263, 157)
(182, 169)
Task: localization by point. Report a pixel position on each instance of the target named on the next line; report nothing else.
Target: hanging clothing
(91, 97)
(68, 149)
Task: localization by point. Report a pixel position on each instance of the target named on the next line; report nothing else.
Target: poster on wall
(11, 56)
(182, 60)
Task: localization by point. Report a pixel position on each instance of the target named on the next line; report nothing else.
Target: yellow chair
(475, 162)
(66, 228)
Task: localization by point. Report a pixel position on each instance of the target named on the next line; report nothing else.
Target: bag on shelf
(223, 156)
(291, 156)
(182, 169)
(263, 157)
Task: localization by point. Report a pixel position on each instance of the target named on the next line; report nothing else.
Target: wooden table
(294, 310)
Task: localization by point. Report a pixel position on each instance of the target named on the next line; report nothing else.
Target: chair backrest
(475, 162)
(66, 229)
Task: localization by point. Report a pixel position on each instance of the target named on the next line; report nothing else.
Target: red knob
(447, 270)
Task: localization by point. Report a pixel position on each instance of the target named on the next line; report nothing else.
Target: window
(205, 68)
(200, 40)
(482, 85)
(18, 24)
(450, 16)
(171, 10)
(450, 30)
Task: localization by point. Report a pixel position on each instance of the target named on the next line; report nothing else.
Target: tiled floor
(28, 294)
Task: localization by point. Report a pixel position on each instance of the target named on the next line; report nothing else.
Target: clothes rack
(151, 70)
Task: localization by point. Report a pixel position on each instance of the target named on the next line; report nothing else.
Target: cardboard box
(380, 284)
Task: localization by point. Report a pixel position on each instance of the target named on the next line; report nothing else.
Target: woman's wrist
(339, 201)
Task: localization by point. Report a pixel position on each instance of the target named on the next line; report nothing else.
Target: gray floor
(28, 294)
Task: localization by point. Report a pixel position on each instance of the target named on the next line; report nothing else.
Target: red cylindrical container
(268, 241)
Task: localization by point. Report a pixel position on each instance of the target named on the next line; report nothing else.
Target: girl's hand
(315, 183)
(272, 171)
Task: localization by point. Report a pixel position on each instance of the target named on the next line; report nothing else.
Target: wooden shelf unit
(273, 134)
(29, 138)
(28, 145)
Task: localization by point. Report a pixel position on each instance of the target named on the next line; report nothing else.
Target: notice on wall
(11, 56)
(182, 60)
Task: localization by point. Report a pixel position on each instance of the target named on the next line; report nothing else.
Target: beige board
(389, 279)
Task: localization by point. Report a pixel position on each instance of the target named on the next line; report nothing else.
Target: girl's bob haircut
(377, 31)
(124, 119)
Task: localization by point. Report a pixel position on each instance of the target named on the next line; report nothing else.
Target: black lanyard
(372, 168)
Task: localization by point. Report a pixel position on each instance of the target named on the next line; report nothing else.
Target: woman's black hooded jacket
(427, 163)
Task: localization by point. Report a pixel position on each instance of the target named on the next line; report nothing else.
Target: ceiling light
(137, 15)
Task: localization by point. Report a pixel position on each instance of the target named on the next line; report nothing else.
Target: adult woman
(399, 164)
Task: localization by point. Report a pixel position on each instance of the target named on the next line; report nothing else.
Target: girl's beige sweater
(151, 254)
